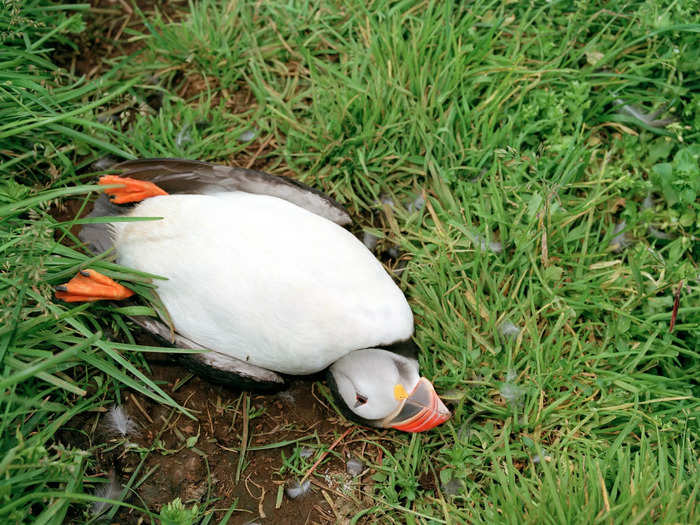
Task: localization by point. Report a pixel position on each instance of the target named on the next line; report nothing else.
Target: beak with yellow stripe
(420, 410)
(383, 388)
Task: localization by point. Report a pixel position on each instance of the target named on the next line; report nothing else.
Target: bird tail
(99, 237)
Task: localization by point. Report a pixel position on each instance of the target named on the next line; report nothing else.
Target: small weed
(175, 513)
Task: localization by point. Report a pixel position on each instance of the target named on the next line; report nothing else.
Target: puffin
(260, 273)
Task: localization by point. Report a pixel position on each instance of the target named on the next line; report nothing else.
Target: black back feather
(195, 177)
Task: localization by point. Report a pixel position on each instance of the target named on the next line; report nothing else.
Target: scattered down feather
(297, 490)
(111, 490)
(118, 422)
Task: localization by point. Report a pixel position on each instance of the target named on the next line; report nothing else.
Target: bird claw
(89, 285)
(131, 190)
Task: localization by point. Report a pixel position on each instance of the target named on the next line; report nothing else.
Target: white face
(367, 379)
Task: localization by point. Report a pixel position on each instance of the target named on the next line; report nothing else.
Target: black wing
(191, 176)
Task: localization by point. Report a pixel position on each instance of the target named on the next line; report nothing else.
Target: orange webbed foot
(133, 190)
(90, 285)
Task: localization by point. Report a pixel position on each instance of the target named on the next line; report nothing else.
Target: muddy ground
(171, 456)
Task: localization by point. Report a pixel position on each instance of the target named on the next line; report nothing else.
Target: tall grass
(56, 361)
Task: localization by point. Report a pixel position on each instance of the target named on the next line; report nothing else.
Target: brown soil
(206, 470)
(67, 210)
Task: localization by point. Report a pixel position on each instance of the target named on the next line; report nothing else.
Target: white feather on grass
(248, 135)
(621, 240)
(508, 329)
(111, 490)
(119, 422)
(370, 241)
(354, 467)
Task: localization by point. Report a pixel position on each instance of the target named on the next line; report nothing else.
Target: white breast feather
(264, 280)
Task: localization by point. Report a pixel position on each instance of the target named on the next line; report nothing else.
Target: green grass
(505, 116)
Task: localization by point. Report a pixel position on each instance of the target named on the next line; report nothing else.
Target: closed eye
(360, 400)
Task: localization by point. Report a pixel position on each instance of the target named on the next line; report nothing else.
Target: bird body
(258, 270)
(263, 280)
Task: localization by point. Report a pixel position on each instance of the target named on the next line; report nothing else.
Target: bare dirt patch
(198, 460)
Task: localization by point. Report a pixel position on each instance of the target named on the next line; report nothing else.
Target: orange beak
(421, 410)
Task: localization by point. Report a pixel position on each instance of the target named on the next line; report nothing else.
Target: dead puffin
(261, 272)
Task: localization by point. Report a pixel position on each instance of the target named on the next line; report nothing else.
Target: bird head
(383, 389)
